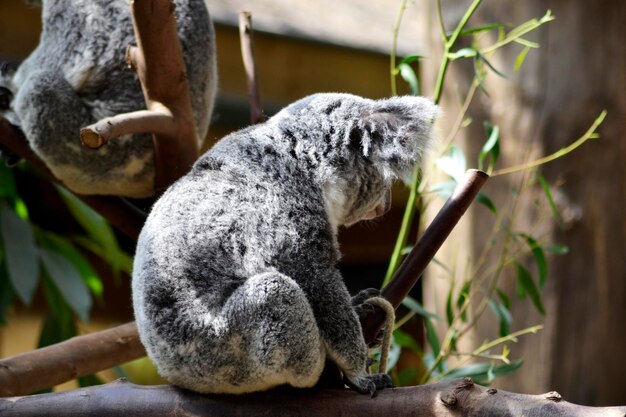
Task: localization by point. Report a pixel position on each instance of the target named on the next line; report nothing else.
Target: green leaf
(407, 376)
(20, 253)
(90, 380)
(479, 29)
(558, 249)
(526, 281)
(411, 58)
(82, 265)
(408, 75)
(7, 295)
(69, 282)
(59, 325)
(449, 310)
(491, 67)
(463, 53)
(540, 258)
(504, 317)
(503, 298)
(96, 227)
(415, 306)
(479, 371)
(7, 183)
(486, 201)
(527, 43)
(491, 146)
(546, 190)
(444, 189)
(453, 164)
(433, 341)
(463, 297)
(521, 57)
(405, 340)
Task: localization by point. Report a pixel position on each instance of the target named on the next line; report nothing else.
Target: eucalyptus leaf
(20, 253)
(521, 57)
(96, 227)
(405, 340)
(530, 288)
(546, 191)
(540, 258)
(69, 282)
(453, 163)
(416, 307)
(491, 147)
(433, 340)
(479, 371)
(558, 249)
(444, 189)
(82, 265)
(486, 201)
(411, 58)
(7, 183)
(408, 75)
(463, 53)
(483, 28)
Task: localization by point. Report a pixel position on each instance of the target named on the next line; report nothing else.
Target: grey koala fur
(78, 75)
(235, 285)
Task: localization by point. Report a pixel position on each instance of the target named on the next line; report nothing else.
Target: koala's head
(357, 146)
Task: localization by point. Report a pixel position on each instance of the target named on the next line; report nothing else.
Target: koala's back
(220, 259)
(79, 68)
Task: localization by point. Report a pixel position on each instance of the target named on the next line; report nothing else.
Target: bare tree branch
(444, 399)
(73, 358)
(249, 62)
(424, 251)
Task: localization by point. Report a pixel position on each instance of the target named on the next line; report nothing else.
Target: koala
(78, 75)
(235, 285)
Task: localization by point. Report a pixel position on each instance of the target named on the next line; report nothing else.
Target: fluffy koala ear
(397, 131)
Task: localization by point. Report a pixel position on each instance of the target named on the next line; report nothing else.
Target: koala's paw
(363, 295)
(369, 384)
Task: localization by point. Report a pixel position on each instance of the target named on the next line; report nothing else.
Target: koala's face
(357, 146)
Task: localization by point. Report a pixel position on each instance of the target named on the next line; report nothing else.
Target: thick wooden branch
(446, 399)
(119, 212)
(159, 64)
(249, 62)
(418, 259)
(78, 356)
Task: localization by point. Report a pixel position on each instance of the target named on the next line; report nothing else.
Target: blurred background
(579, 69)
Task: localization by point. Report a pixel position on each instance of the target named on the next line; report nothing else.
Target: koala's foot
(369, 384)
(363, 295)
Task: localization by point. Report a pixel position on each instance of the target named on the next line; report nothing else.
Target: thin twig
(249, 62)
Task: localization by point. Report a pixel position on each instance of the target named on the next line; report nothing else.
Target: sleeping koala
(235, 285)
(78, 75)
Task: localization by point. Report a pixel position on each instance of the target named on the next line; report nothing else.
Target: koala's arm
(340, 329)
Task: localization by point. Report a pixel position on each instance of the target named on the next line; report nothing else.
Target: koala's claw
(363, 295)
(370, 384)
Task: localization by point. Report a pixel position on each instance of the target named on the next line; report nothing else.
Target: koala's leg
(341, 332)
(51, 115)
(272, 339)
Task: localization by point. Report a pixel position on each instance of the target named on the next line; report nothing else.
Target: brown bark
(158, 61)
(453, 398)
(249, 62)
(73, 358)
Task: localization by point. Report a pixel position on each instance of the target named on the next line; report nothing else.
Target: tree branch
(73, 358)
(249, 62)
(452, 398)
(418, 259)
(159, 64)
